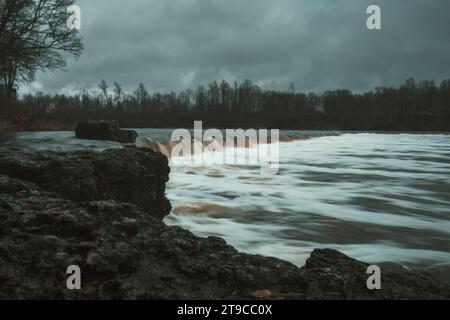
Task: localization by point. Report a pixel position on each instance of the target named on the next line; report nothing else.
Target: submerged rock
(88, 209)
(104, 130)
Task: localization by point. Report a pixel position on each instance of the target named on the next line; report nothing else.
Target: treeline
(413, 106)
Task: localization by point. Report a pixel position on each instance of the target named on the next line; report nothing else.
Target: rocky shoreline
(103, 211)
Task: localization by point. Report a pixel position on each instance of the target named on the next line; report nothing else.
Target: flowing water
(376, 197)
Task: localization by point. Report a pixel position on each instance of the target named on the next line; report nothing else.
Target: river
(376, 197)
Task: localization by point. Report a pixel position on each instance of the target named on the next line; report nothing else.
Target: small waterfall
(211, 144)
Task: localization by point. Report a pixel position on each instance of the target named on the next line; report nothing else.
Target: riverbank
(13, 118)
(103, 211)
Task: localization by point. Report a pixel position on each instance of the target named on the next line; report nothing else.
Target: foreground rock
(131, 175)
(332, 275)
(104, 130)
(125, 251)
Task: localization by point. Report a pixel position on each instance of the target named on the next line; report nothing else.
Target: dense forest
(413, 106)
(34, 37)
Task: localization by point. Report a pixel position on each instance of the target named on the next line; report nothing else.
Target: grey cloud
(317, 44)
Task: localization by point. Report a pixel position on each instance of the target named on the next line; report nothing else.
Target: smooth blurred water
(376, 197)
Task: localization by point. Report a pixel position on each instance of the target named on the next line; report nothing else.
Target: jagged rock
(104, 130)
(332, 275)
(42, 234)
(133, 175)
(126, 253)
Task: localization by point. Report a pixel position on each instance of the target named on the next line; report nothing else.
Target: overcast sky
(317, 44)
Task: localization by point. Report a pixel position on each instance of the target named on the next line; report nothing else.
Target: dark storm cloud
(317, 44)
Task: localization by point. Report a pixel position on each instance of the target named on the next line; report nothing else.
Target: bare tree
(34, 36)
(103, 86)
(118, 93)
(141, 94)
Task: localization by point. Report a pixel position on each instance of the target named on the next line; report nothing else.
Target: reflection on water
(376, 197)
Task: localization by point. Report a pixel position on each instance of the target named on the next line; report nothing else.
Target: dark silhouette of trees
(420, 106)
(103, 86)
(34, 36)
(118, 93)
